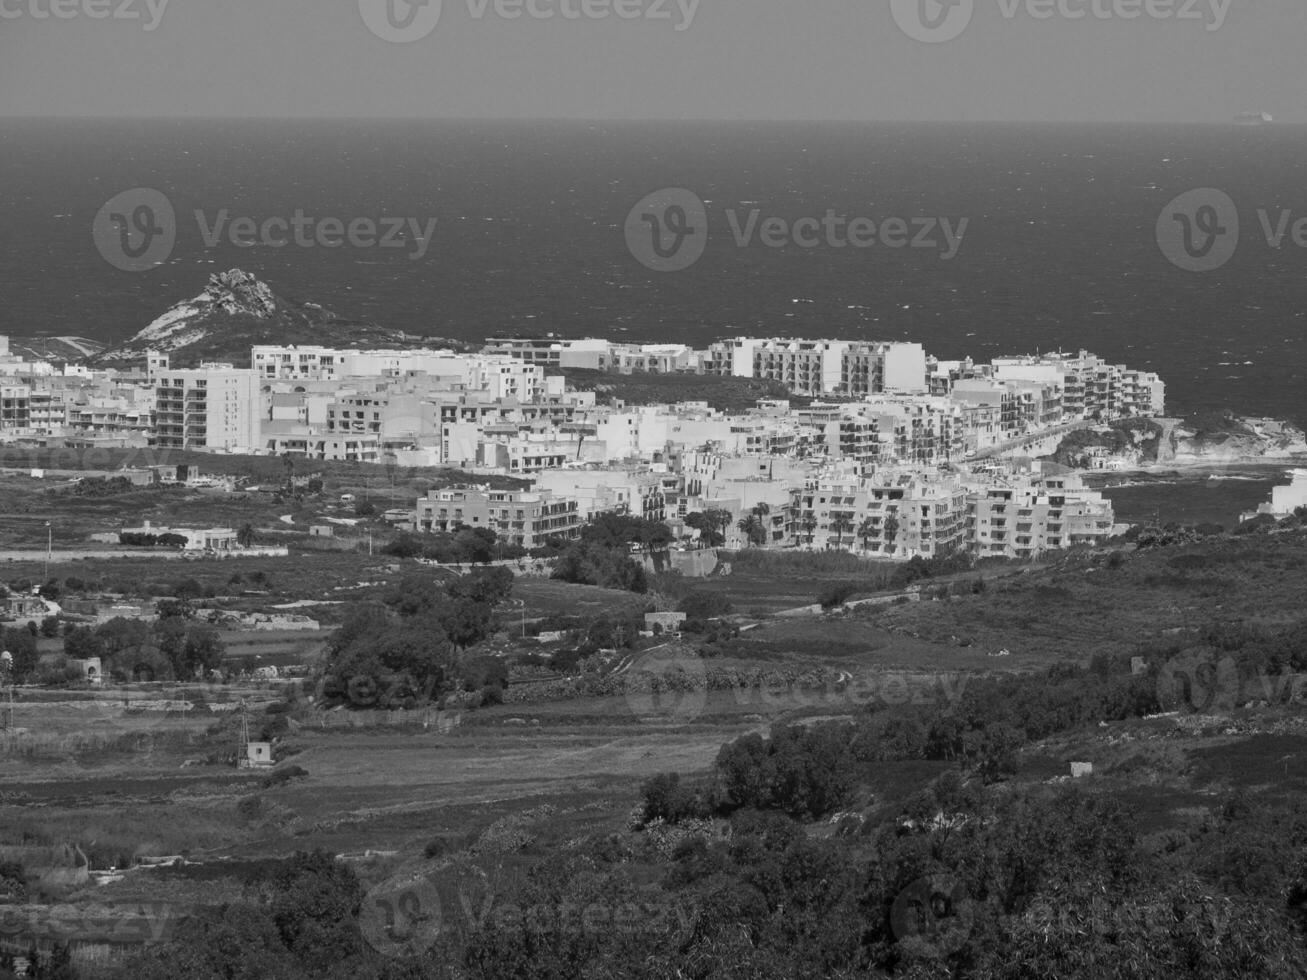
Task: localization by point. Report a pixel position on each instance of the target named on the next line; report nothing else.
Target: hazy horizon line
(627, 121)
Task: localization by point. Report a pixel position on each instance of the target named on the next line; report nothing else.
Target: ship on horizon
(1253, 119)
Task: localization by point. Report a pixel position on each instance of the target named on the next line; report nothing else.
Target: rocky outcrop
(1238, 440)
(236, 311)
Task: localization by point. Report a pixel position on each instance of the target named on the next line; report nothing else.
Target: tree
(119, 637)
(21, 644)
(891, 531)
(60, 964)
(179, 608)
(748, 525)
(82, 643)
(288, 471)
(489, 585)
(404, 546)
(376, 660)
(707, 528)
(762, 511)
(170, 636)
(188, 588)
(246, 535)
(586, 563)
(753, 525)
(202, 651)
(840, 522)
(867, 530)
(809, 524)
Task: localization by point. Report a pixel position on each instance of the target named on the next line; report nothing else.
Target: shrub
(667, 800)
(281, 777)
(702, 605)
(836, 593)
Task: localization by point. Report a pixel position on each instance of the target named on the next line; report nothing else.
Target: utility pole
(49, 546)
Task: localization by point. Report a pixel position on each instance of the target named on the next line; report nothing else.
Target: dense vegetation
(602, 556)
(1143, 435)
(408, 649)
(178, 645)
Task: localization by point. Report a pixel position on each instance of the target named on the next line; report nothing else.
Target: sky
(986, 60)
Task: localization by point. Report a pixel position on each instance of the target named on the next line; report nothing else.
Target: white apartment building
(213, 407)
(1023, 521)
(522, 517)
(621, 491)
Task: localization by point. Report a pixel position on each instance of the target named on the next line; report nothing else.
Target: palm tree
(761, 511)
(867, 530)
(719, 520)
(809, 525)
(840, 522)
(891, 530)
(748, 526)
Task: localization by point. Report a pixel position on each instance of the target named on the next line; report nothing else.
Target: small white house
(258, 755)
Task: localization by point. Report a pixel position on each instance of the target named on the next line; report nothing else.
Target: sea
(1060, 249)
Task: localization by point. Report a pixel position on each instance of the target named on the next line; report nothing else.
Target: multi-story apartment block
(213, 407)
(599, 491)
(35, 407)
(911, 514)
(1025, 521)
(553, 352)
(521, 517)
(397, 420)
(501, 376)
(15, 407)
(315, 445)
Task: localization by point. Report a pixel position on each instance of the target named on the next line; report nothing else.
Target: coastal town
(879, 447)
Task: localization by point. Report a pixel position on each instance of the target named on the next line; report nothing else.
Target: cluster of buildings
(882, 448)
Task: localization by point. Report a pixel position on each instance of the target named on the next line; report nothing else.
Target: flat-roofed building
(522, 517)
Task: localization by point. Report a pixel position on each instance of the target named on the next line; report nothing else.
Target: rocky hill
(237, 311)
(1227, 438)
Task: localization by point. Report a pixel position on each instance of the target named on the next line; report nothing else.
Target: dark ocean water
(1060, 251)
(1191, 498)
